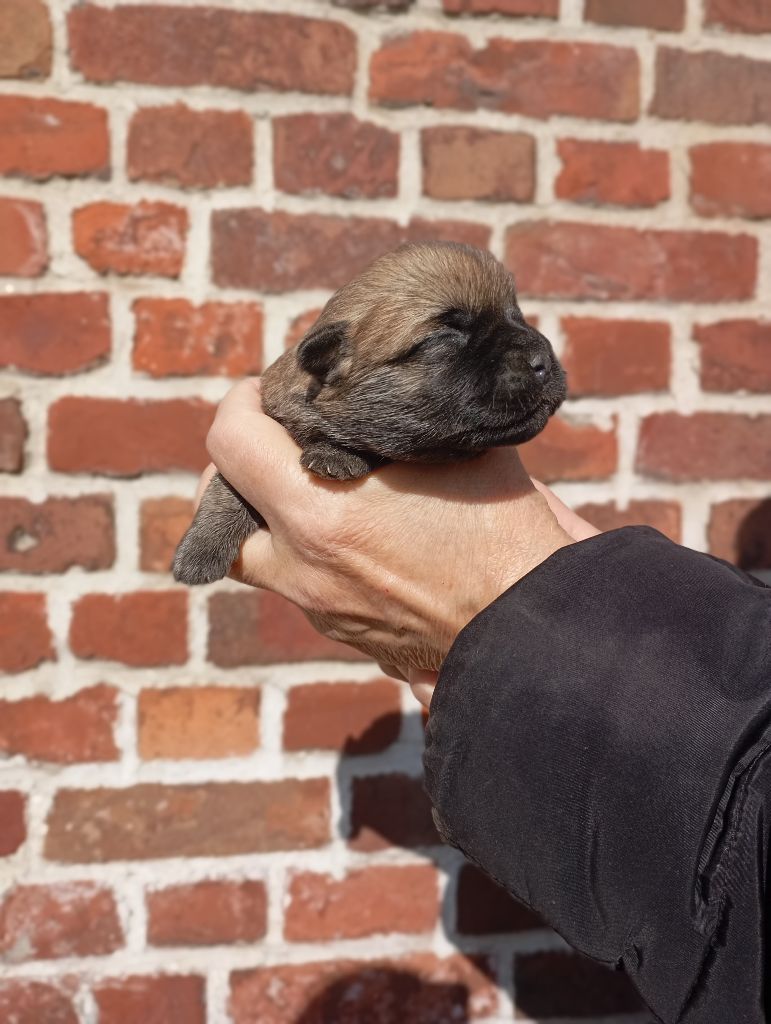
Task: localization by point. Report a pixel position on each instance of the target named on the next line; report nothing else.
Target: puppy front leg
(213, 540)
(336, 463)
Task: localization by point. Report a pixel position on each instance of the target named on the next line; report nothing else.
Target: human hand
(394, 564)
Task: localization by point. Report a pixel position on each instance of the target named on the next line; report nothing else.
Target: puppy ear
(322, 351)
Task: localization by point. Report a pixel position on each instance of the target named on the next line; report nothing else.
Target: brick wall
(208, 814)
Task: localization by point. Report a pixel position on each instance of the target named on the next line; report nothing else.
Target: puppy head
(427, 352)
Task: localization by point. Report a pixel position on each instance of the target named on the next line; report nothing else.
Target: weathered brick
(665, 516)
(740, 531)
(484, 908)
(156, 999)
(260, 628)
(279, 251)
(207, 913)
(36, 1002)
(616, 357)
(198, 722)
(117, 238)
(126, 438)
(139, 629)
(596, 261)
(372, 901)
(47, 922)
(390, 810)
(56, 534)
(13, 826)
(707, 85)
(738, 15)
(705, 446)
(538, 78)
(511, 8)
(357, 718)
(735, 355)
(461, 162)
(571, 451)
(183, 46)
(417, 989)
(26, 45)
(162, 523)
(611, 173)
(72, 730)
(25, 637)
(299, 327)
(190, 148)
(44, 137)
(664, 15)
(54, 333)
(150, 820)
(567, 985)
(13, 435)
(24, 252)
(175, 338)
(731, 179)
(334, 154)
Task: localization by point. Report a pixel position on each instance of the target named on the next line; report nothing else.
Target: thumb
(422, 682)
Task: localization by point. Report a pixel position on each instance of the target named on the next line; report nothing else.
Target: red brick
(461, 162)
(334, 154)
(611, 173)
(597, 261)
(357, 718)
(13, 434)
(537, 78)
(56, 333)
(141, 629)
(68, 731)
(56, 534)
(25, 638)
(390, 810)
(146, 238)
(566, 985)
(35, 1002)
(190, 148)
(707, 85)
(512, 8)
(183, 46)
(300, 326)
(731, 179)
(484, 908)
(417, 989)
(44, 137)
(372, 901)
(142, 822)
(571, 451)
(279, 251)
(664, 15)
(126, 438)
(740, 532)
(47, 922)
(199, 722)
(207, 914)
(13, 826)
(162, 524)
(175, 338)
(735, 355)
(24, 252)
(260, 628)
(616, 357)
(158, 999)
(665, 516)
(25, 39)
(705, 446)
(738, 15)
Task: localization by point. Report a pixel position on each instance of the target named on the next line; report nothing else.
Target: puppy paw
(200, 559)
(332, 463)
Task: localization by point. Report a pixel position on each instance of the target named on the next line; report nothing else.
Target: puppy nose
(540, 367)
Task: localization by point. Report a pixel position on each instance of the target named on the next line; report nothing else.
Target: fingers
(257, 565)
(422, 683)
(571, 523)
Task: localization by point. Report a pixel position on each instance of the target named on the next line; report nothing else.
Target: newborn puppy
(424, 357)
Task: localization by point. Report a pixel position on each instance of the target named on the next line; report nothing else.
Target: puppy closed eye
(435, 342)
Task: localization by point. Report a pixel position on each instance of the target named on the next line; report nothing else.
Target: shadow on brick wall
(753, 538)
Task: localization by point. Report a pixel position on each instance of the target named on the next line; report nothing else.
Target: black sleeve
(598, 743)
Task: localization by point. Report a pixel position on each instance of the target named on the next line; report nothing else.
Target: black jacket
(599, 743)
